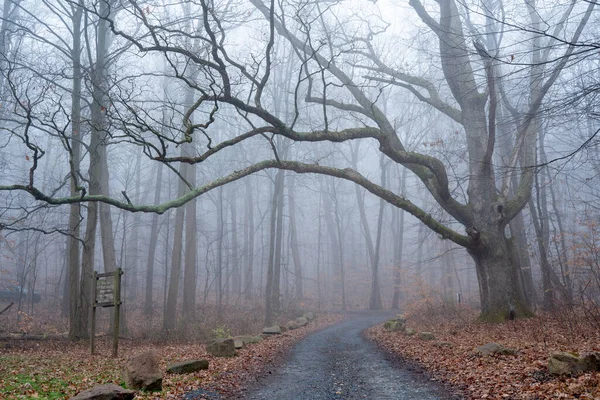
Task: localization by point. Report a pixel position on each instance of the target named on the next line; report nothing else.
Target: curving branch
(456, 63)
(301, 168)
(430, 170)
(409, 82)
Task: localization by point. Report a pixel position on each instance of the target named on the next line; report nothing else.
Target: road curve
(338, 363)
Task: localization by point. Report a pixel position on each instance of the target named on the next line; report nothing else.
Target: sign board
(106, 289)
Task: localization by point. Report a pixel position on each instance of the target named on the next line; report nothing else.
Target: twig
(6, 308)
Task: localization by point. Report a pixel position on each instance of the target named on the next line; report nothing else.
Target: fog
(321, 155)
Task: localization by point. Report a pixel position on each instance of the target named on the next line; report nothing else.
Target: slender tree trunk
(23, 259)
(10, 14)
(319, 243)
(70, 301)
(191, 249)
(170, 316)
(106, 225)
(398, 247)
(420, 243)
(449, 273)
(108, 238)
(133, 249)
(517, 229)
(148, 305)
(338, 225)
(125, 254)
(220, 234)
(563, 252)
(101, 103)
(298, 279)
(332, 232)
(249, 237)
(236, 279)
(276, 294)
(97, 152)
(375, 302)
(269, 309)
(87, 261)
(167, 271)
(373, 256)
(545, 267)
(540, 217)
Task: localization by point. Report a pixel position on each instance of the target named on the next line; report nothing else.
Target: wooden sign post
(106, 289)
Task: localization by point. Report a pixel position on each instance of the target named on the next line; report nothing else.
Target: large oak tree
(340, 76)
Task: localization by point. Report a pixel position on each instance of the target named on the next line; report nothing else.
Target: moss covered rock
(221, 347)
(426, 336)
(394, 325)
(563, 363)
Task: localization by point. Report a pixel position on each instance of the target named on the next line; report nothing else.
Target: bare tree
(336, 98)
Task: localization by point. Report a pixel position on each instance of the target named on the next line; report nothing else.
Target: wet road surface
(338, 363)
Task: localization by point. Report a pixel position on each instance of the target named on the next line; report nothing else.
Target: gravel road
(338, 363)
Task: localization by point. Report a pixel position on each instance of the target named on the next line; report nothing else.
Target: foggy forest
(247, 162)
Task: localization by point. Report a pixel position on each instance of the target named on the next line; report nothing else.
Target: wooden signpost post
(106, 289)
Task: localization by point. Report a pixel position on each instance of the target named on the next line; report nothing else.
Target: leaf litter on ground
(520, 376)
(58, 369)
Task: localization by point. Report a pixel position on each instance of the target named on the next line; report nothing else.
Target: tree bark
(398, 230)
(220, 234)
(338, 225)
(375, 293)
(70, 301)
(334, 239)
(191, 248)
(98, 174)
(270, 283)
(276, 294)
(249, 238)
(563, 252)
(298, 279)
(148, 304)
(170, 316)
(545, 267)
(319, 257)
(236, 279)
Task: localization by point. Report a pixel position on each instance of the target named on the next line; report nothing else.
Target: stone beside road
(105, 392)
(221, 347)
(426, 336)
(272, 330)
(396, 324)
(569, 364)
(238, 343)
(309, 315)
(141, 372)
(291, 325)
(187, 367)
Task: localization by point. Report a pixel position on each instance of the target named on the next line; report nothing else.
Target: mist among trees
(270, 156)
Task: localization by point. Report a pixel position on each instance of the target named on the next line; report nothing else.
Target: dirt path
(338, 363)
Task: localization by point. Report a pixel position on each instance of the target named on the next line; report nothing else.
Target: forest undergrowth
(452, 360)
(55, 368)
